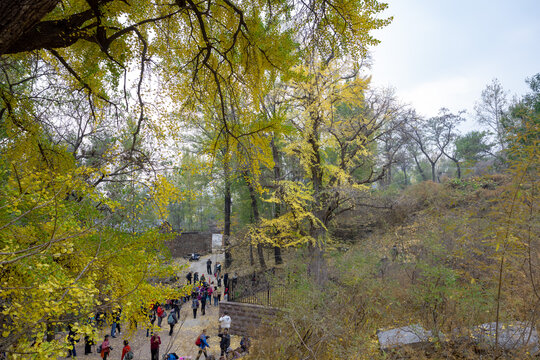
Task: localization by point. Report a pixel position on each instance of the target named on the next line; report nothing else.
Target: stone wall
(190, 242)
(245, 317)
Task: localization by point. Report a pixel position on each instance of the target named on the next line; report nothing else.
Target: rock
(514, 335)
(411, 335)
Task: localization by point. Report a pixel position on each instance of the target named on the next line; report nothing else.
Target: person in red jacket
(155, 341)
(126, 349)
(160, 315)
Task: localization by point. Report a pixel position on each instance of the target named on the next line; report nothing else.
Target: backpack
(170, 319)
(98, 350)
(129, 355)
(198, 341)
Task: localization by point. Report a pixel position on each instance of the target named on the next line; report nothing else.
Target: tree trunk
(277, 207)
(419, 168)
(227, 211)
(433, 175)
(317, 268)
(18, 16)
(406, 177)
(256, 217)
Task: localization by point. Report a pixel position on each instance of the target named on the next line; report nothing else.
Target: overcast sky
(443, 52)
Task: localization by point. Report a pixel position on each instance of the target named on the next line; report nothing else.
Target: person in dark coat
(189, 276)
(225, 341)
(209, 266)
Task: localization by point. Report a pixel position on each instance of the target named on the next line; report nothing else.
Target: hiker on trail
(155, 341)
(88, 345)
(226, 280)
(195, 306)
(116, 322)
(215, 295)
(225, 321)
(209, 266)
(245, 343)
(172, 320)
(126, 351)
(188, 277)
(218, 269)
(195, 277)
(209, 292)
(105, 348)
(203, 301)
(202, 344)
(203, 279)
(160, 315)
(71, 339)
(225, 341)
(219, 280)
(226, 294)
(152, 317)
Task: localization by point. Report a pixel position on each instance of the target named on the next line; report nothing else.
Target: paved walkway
(182, 342)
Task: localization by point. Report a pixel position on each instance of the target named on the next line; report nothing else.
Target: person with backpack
(172, 319)
(105, 348)
(225, 341)
(127, 354)
(203, 301)
(195, 306)
(202, 343)
(155, 341)
(160, 315)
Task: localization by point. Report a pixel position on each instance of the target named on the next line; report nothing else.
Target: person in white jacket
(225, 321)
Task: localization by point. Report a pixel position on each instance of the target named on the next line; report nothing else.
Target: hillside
(430, 257)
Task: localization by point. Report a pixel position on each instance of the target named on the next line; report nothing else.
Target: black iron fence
(263, 288)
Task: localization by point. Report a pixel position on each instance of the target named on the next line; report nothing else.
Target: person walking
(155, 341)
(72, 352)
(126, 351)
(218, 269)
(203, 301)
(202, 343)
(209, 266)
(105, 348)
(152, 318)
(188, 277)
(225, 321)
(195, 277)
(160, 315)
(195, 305)
(225, 341)
(215, 295)
(209, 292)
(226, 280)
(172, 319)
(88, 345)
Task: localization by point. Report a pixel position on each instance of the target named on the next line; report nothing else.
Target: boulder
(411, 335)
(513, 335)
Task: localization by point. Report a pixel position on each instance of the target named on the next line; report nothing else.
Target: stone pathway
(182, 342)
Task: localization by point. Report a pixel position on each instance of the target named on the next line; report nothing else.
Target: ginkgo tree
(85, 97)
(333, 138)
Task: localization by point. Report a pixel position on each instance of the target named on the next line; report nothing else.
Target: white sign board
(217, 241)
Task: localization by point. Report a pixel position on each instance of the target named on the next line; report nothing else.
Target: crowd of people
(206, 291)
